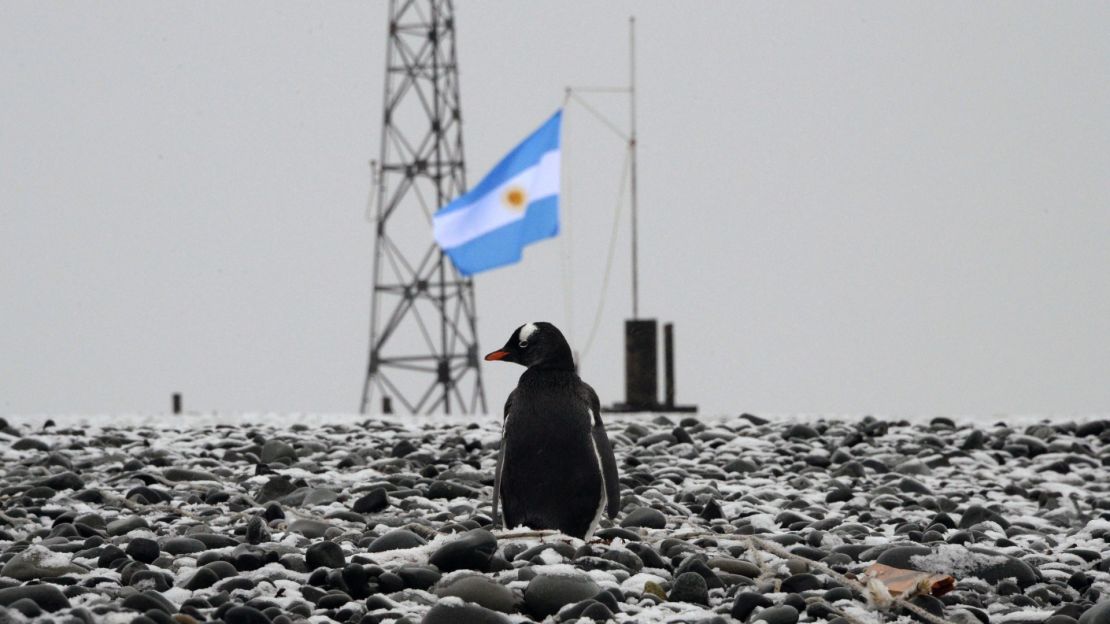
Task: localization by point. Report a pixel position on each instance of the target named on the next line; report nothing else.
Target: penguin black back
(555, 468)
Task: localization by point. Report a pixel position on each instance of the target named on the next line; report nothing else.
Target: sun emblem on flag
(515, 198)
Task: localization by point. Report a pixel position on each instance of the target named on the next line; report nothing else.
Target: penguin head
(538, 345)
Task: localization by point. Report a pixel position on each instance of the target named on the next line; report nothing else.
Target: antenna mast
(632, 157)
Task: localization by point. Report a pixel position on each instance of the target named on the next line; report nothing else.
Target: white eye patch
(527, 331)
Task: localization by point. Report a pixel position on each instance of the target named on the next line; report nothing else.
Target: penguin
(555, 468)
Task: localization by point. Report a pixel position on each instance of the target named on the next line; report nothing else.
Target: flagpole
(632, 147)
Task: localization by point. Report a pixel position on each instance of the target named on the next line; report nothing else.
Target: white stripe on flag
(490, 212)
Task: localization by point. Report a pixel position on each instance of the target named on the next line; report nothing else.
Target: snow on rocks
(743, 519)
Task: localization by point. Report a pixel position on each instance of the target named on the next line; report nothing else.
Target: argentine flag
(516, 204)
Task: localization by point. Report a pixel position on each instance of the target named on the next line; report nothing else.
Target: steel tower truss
(423, 339)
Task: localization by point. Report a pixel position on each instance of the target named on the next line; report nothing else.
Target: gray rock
(734, 566)
(215, 540)
(782, 614)
(123, 526)
(244, 614)
(48, 597)
(645, 517)
(38, 562)
(324, 555)
(276, 450)
(143, 549)
(396, 539)
(418, 577)
(463, 614)
(274, 489)
(480, 590)
(741, 465)
(257, 531)
(448, 490)
(185, 474)
(472, 551)
(27, 607)
(690, 587)
(913, 467)
(746, 602)
(151, 579)
(183, 546)
(801, 432)
(63, 481)
(319, 496)
(147, 600)
(991, 566)
(547, 593)
(975, 514)
(201, 579)
(1098, 614)
(375, 501)
(30, 444)
(309, 528)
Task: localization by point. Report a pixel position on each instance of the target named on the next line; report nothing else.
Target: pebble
(183, 546)
(147, 600)
(123, 526)
(63, 481)
(418, 577)
(47, 597)
(472, 551)
(547, 593)
(143, 549)
(375, 501)
(275, 488)
(782, 614)
(690, 587)
(396, 539)
(463, 614)
(1097, 614)
(335, 522)
(645, 517)
(37, 562)
(245, 615)
(313, 529)
(276, 451)
(478, 589)
(185, 474)
(324, 555)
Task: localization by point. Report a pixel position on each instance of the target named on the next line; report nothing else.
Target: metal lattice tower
(423, 340)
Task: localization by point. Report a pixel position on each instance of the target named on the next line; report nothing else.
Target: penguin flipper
(605, 452)
(501, 460)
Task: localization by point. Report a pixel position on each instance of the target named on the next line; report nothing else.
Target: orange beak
(497, 355)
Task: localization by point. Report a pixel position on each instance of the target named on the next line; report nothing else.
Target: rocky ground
(183, 519)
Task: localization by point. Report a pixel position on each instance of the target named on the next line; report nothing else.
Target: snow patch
(635, 583)
(955, 560)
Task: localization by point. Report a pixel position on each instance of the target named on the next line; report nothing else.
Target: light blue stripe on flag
(516, 204)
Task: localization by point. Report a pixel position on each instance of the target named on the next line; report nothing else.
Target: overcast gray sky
(896, 208)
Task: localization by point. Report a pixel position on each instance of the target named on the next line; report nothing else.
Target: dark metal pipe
(668, 365)
(641, 364)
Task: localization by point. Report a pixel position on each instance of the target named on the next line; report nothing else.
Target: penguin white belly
(602, 498)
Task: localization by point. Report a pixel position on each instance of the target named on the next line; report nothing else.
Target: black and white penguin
(555, 469)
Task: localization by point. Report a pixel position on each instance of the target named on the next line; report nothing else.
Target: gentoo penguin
(555, 469)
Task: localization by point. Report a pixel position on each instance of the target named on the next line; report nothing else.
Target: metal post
(668, 365)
